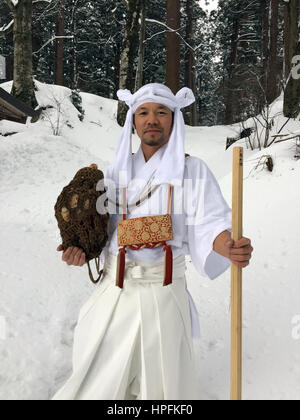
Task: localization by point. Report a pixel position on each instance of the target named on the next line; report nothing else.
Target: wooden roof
(14, 109)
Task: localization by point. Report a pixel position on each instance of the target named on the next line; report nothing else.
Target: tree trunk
(265, 5)
(273, 64)
(291, 106)
(139, 73)
(292, 32)
(73, 61)
(128, 55)
(59, 45)
(173, 46)
(189, 73)
(286, 36)
(229, 102)
(23, 86)
(9, 67)
(117, 55)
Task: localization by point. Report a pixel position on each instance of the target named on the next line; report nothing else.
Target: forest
(237, 59)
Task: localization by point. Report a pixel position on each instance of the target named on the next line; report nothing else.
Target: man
(136, 342)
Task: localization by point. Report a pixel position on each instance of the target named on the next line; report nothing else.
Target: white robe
(212, 215)
(136, 343)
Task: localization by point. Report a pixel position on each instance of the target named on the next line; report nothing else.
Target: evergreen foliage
(232, 65)
(77, 102)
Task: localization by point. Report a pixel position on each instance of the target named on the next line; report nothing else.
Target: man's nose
(152, 118)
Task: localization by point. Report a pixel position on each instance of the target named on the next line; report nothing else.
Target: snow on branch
(168, 29)
(14, 3)
(44, 1)
(11, 4)
(51, 40)
(6, 27)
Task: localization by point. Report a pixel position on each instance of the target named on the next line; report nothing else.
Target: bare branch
(42, 1)
(53, 39)
(284, 125)
(52, 6)
(152, 36)
(13, 3)
(6, 27)
(168, 29)
(296, 136)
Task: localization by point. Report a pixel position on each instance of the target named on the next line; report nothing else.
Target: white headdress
(172, 162)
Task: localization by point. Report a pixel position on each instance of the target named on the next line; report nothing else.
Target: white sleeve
(208, 216)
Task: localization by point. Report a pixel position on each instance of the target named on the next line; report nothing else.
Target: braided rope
(149, 245)
(146, 196)
(139, 202)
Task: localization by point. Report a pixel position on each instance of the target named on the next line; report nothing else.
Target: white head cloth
(172, 164)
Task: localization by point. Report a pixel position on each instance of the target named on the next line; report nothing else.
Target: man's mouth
(153, 131)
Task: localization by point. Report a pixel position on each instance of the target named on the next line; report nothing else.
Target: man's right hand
(73, 256)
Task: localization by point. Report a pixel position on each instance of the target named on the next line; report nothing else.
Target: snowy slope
(41, 296)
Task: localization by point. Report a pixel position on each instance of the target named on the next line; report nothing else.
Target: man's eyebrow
(144, 107)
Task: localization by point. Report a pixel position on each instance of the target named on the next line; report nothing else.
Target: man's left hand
(239, 252)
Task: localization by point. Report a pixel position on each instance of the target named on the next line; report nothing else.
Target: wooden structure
(14, 110)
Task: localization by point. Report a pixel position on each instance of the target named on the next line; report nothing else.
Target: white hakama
(135, 342)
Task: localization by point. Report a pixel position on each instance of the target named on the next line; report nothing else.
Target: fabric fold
(143, 320)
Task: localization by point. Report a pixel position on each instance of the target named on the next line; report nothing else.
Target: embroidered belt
(145, 232)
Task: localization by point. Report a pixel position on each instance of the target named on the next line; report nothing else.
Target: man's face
(153, 123)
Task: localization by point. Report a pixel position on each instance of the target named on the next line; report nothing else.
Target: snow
(209, 5)
(6, 27)
(41, 296)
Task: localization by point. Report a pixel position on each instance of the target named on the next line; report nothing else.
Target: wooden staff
(236, 278)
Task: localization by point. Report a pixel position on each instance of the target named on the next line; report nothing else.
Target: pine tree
(59, 44)
(173, 46)
(291, 106)
(252, 76)
(155, 43)
(23, 86)
(190, 69)
(129, 53)
(6, 38)
(272, 90)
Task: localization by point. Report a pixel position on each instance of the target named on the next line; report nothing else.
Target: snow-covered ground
(41, 296)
